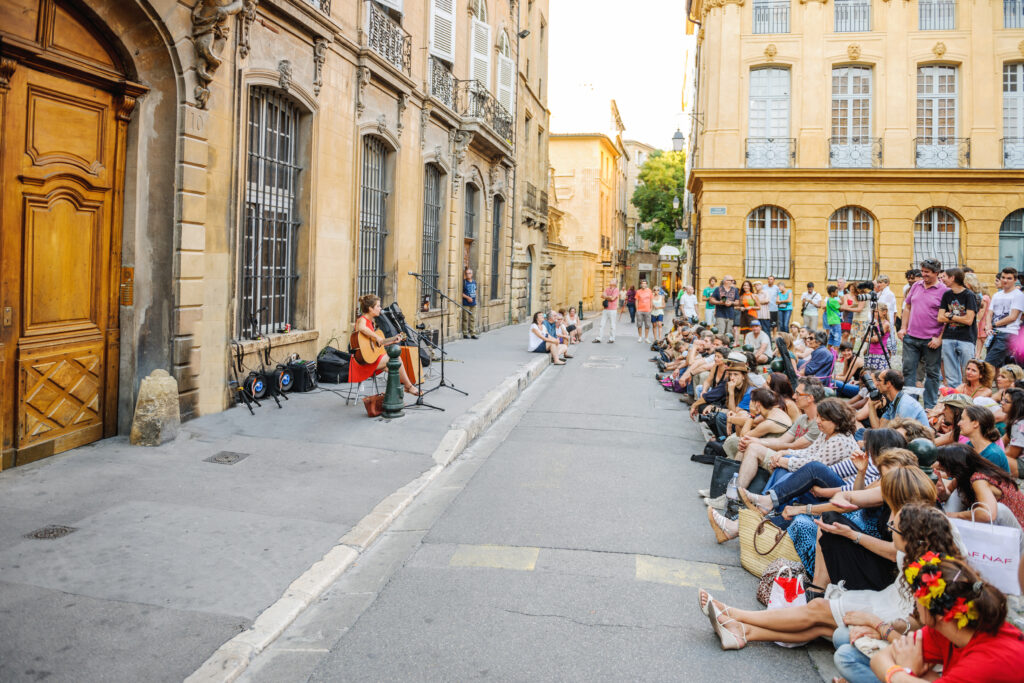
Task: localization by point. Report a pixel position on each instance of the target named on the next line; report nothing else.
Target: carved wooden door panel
(59, 338)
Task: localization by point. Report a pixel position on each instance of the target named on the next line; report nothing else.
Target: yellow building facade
(856, 137)
(589, 178)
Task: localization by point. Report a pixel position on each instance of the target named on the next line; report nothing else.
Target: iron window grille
(431, 235)
(1013, 13)
(937, 236)
(470, 224)
(373, 228)
(269, 233)
(1013, 152)
(852, 16)
(851, 244)
(771, 16)
(768, 252)
(499, 211)
(937, 15)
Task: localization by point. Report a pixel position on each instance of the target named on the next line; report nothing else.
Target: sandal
(729, 640)
(811, 592)
(704, 601)
(721, 535)
(414, 391)
(751, 505)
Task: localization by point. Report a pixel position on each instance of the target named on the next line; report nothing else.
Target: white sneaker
(639, 340)
(704, 493)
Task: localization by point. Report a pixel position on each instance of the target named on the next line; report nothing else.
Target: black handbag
(725, 468)
(332, 366)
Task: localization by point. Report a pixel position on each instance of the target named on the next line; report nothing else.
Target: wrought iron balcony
(531, 197)
(937, 15)
(942, 152)
(771, 16)
(474, 101)
(388, 40)
(771, 152)
(1013, 13)
(322, 5)
(1013, 152)
(855, 152)
(852, 16)
(442, 83)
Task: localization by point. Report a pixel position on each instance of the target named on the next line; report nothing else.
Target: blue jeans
(916, 350)
(846, 389)
(955, 355)
(997, 349)
(796, 487)
(784, 319)
(835, 334)
(853, 665)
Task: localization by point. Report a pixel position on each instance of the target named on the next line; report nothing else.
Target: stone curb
(232, 658)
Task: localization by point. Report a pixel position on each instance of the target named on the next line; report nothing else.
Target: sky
(632, 51)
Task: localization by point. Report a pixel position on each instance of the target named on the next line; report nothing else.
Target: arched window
(937, 236)
(767, 243)
(373, 228)
(504, 45)
(1013, 224)
(429, 268)
(270, 231)
(851, 244)
(479, 9)
(480, 46)
(506, 74)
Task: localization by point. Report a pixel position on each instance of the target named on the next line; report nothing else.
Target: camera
(869, 383)
(866, 291)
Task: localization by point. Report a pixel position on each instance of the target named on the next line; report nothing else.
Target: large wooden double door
(62, 160)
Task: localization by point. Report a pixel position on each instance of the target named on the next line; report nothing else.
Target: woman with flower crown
(965, 628)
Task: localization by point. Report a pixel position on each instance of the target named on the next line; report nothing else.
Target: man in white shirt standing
(1005, 316)
(771, 291)
(886, 296)
(610, 297)
(810, 301)
(688, 302)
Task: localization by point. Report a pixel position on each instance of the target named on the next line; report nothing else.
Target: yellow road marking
(495, 557)
(678, 572)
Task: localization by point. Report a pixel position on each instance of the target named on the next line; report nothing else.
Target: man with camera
(610, 304)
(886, 400)
(921, 330)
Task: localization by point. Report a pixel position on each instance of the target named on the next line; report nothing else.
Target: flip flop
(751, 505)
(705, 607)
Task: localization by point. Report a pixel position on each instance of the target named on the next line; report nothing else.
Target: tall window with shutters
(1013, 115)
(496, 242)
(270, 230)
(768, 144)
(480, 46)
(506, 74)
(442, 29)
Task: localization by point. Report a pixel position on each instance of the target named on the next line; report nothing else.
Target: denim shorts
(835, 334)
(657, 318)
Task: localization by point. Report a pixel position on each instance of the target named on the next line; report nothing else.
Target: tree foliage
(662, 179)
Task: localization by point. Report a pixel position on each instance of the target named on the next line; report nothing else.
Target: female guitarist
(359, 371)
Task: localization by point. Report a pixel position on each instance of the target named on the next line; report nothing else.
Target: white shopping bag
(787, 591)
(994, 551)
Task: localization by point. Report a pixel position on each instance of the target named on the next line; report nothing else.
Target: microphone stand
(444, 315)
(419, 402)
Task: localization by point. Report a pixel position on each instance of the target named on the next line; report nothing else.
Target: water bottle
(730, 490)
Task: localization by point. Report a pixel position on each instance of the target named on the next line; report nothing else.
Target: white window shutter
(442, 30)
(481, 59)
(506, 82)
(393, 4)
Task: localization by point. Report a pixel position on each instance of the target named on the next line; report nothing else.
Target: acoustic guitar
(367, 350)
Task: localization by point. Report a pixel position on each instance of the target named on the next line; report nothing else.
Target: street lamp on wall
(677, 141)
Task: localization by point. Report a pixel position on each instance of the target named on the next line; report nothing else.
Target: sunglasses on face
(893, 528)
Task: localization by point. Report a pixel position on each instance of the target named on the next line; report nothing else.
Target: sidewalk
(173, 555)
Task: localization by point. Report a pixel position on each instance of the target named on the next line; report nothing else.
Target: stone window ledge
(278, 340)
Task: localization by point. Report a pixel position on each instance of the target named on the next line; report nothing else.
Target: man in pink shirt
(921, 330)
(611, 305)
(644, 298)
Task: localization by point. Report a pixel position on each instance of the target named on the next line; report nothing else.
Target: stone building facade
(849, 139)
(201, 173)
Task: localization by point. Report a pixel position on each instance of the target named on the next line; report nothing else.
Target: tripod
(445, 299)
(872, 328)
(419, 402)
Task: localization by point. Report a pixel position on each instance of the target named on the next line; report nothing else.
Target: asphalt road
(567, 543)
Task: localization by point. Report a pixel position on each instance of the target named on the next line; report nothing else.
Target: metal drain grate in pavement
(226, 458)
(50, 532)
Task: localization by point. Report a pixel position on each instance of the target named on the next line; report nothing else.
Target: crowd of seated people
(871, 478)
